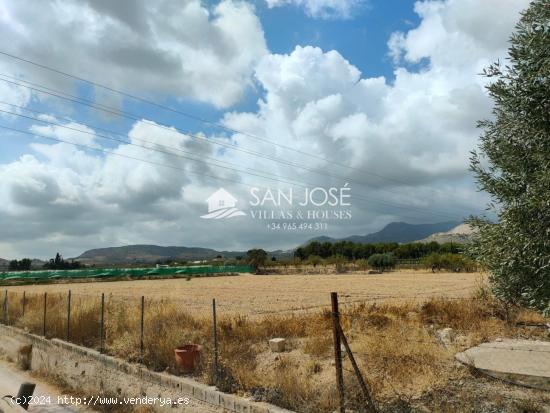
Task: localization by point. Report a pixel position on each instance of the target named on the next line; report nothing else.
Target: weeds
(394, 344)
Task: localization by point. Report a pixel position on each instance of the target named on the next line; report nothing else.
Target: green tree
(512, 164)
(58, 263)
(314, 260)
(256, 257)
(381, 262)
(20, 265)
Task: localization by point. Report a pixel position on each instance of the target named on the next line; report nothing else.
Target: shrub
(381, 262)
(449, 262)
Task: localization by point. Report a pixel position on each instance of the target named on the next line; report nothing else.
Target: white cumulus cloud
(169, 47)
(416, 129)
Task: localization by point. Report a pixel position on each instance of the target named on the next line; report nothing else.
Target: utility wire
(277, 178)
(172, 129)
(143, 146)
(124, 114)
(191, 116)
(172, 166)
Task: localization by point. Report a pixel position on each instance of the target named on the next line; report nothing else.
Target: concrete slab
(522, 362)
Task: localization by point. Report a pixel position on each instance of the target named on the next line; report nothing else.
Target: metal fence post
(337, 351)
(7, 309)
(102, 323)
(44, 320)
(215, 339)
(142, 325)
(371, 406)
(4, 307)
(69, 316)
(24, 303)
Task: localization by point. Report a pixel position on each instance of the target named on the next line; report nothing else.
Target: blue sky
(381, 95)
(362, 40)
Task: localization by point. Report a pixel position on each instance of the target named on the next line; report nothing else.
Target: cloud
(323, 9)
(177, 48)
(417, 130)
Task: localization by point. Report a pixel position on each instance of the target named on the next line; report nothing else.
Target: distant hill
(135, 254)
(461, 234)
(396, 232)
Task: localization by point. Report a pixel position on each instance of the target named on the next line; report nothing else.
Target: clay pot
(188, 357)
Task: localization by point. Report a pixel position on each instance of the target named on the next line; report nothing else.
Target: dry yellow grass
(394, 337)
(256, 294)
(395, 345)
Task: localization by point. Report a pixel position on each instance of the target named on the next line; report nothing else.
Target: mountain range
(394, 232)
(135, 254)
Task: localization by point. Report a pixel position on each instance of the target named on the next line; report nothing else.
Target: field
(391, 321)
(255, 294)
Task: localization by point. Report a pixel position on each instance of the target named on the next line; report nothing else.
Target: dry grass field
(257, 294)
(391, 321)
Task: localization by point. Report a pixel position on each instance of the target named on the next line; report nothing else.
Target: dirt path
(47, 395)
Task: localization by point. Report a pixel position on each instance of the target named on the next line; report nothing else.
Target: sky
(169, 101)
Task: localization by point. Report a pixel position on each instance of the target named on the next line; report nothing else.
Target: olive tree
(512, 163)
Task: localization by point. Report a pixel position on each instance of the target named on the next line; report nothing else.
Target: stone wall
(91, 373)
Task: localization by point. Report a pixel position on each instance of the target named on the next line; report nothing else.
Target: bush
(362, 264)
(449, 262)
(382, 262)
(314, 260)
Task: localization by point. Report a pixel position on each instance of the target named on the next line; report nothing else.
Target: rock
(446, 336)
(277, 345)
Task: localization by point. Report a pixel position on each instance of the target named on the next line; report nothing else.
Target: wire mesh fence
(101, 273)
(393, 345)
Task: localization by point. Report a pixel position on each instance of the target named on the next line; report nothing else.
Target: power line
(172, 129)
(140, 146)
(128, 115)
(174, 167)
(191, 116)
(258, 173)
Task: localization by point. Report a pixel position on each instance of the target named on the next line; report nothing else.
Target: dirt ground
(260, 294)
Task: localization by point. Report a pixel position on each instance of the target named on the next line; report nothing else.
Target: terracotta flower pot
(188, 357)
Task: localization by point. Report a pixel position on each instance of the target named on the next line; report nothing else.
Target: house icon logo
(221, 204)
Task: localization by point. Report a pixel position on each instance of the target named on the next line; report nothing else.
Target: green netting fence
(125, 272)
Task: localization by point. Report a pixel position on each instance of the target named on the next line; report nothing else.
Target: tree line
(56, 263)
(356, 251)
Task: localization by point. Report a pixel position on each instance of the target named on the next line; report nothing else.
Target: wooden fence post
(24, 302)
(337, 351)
